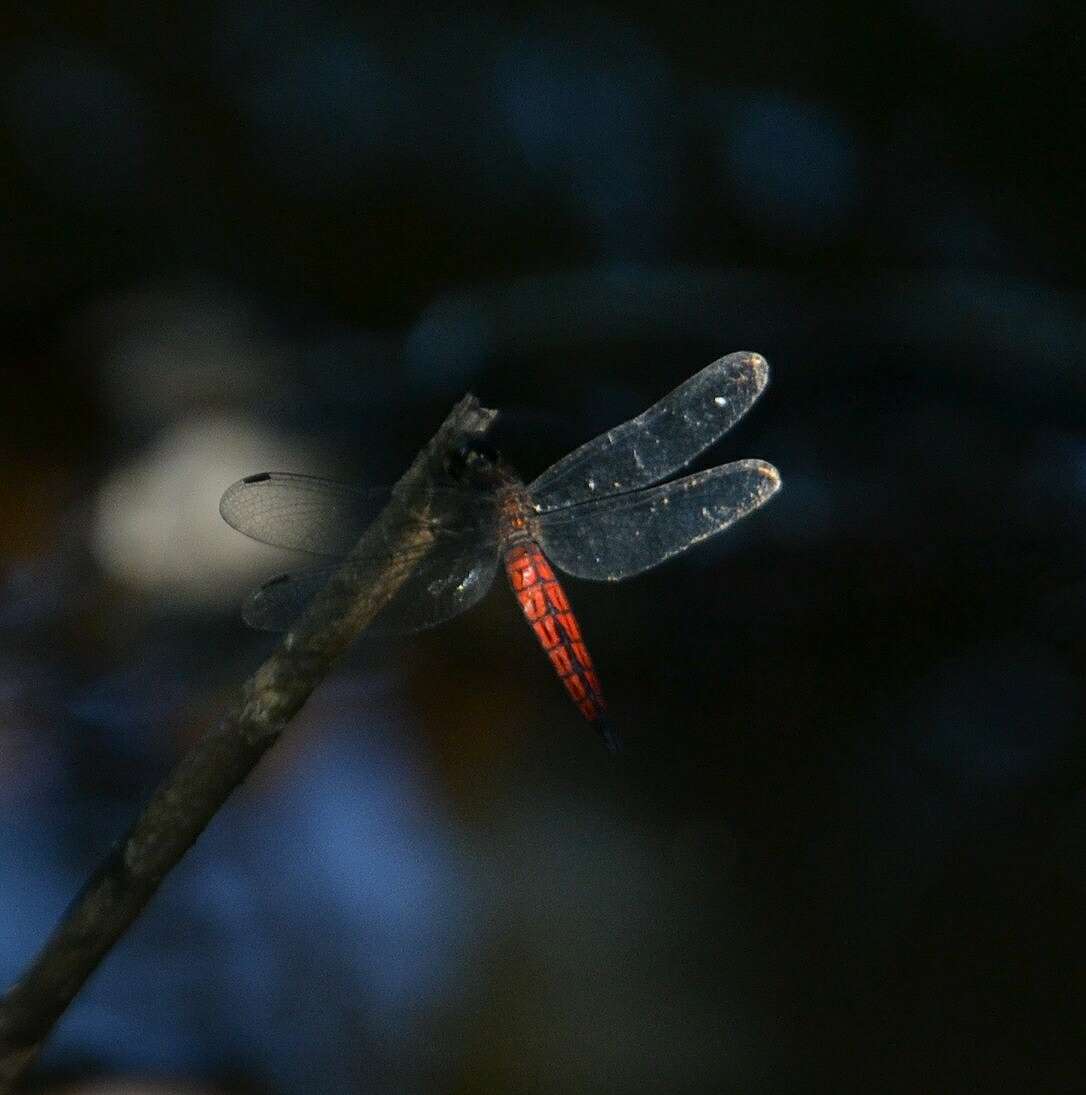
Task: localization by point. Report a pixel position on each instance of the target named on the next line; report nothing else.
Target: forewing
(323, 517)
(300, 512)
(659, 441)
(616, 538)
(448, 579)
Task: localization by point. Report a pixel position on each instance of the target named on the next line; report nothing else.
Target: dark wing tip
(258, 613)
(771, 476)
(759, 368)
(746, 366)
(228, 502)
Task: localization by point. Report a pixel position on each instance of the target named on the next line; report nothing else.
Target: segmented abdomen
(547, 611)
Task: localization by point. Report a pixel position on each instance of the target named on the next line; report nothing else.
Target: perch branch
(188, 798)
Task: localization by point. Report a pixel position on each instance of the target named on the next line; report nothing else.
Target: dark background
(846, 849)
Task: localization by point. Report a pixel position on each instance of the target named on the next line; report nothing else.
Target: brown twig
(200, 783)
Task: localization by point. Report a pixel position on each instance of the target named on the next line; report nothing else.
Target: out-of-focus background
(846, 849)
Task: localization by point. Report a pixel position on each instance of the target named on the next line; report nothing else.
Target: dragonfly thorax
(480, 467)
(515, 512)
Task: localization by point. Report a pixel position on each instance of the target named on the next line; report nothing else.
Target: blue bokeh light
(592, 115)
(323, 113)
(791, 166)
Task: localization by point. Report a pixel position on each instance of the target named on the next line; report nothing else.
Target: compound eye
(456, 462)
(482, 453)
(474, 456)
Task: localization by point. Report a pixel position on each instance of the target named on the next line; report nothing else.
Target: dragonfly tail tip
(610, 736)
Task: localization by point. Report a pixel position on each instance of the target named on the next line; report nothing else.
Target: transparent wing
(300, 512)
(660, 441)
(618, 537)
(454, 575)
(320, 516)
(276, 604)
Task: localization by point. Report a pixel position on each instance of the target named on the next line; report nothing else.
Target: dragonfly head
(475, 462)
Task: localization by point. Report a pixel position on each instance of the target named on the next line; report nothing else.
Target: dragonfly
(602, 513)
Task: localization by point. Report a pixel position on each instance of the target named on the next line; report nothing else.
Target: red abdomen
(547, 611)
